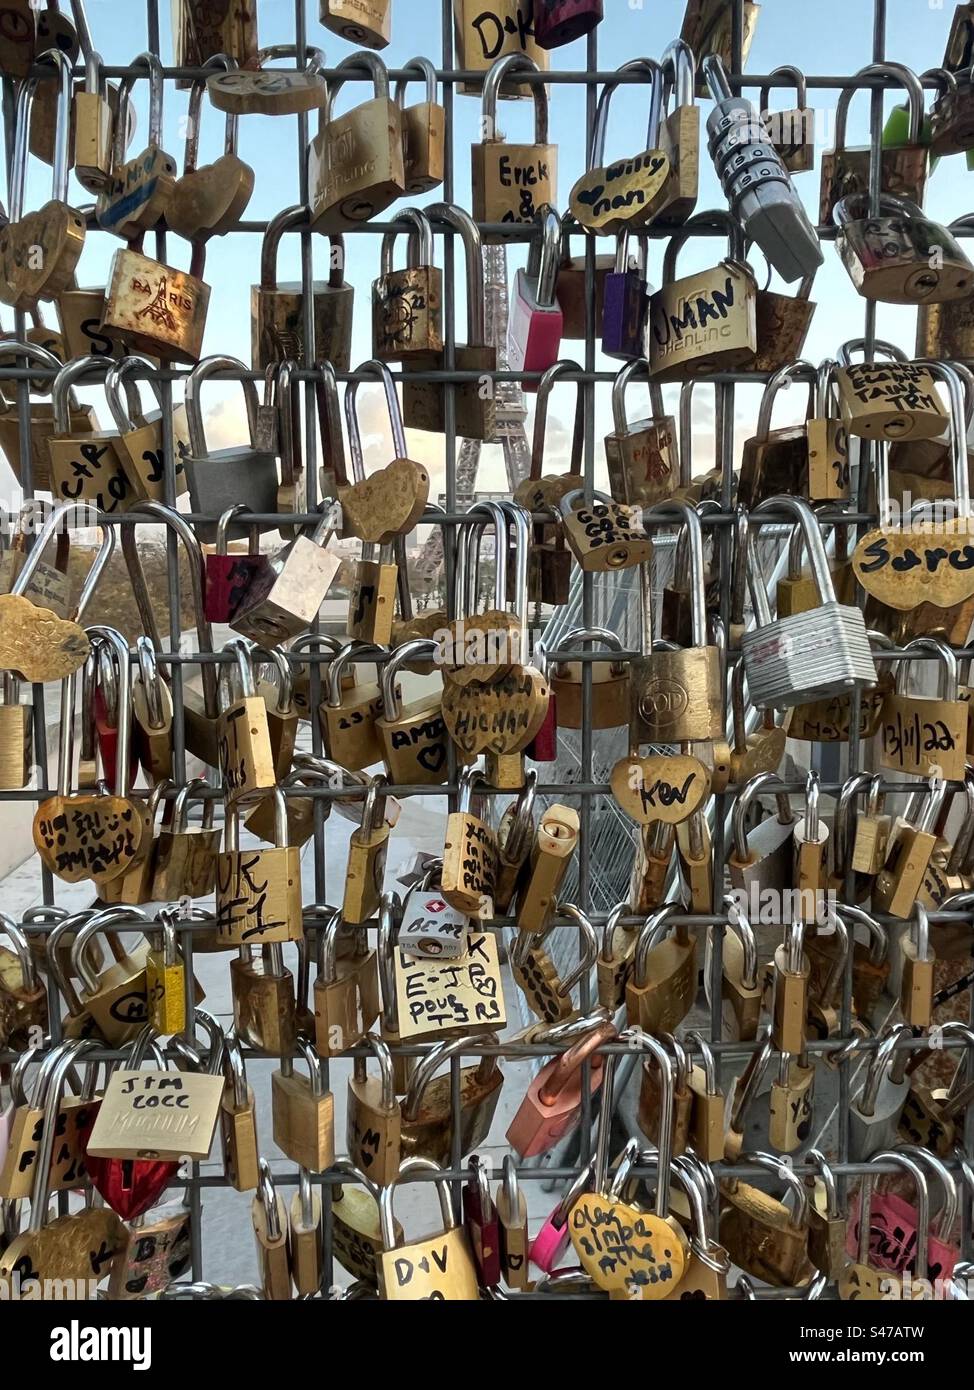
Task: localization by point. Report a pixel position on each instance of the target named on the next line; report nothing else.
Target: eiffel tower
(159, 311)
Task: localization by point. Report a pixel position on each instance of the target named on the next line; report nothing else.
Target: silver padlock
(430, 926)
(761, 859)
(874, 1114)
(806, 656)
(756, 183)
(242, 473)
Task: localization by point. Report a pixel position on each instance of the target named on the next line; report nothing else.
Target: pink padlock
(551, 1242)
(900, 1238)
(552, 1106)
(228, 577)
(536, 322)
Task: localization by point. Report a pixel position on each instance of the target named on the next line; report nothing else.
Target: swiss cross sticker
(434, 905)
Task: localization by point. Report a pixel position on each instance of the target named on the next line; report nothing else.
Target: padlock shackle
(855, 207)
(142, 65)
(420, 648)
(33, 352)
(656, 923)
(833, 980)
(589, 942)
(467, 578)
(715, 75)
(180, 811)
(616, 914)
(907, 79)
(797, 79)
(119, 377)
(494, 81)
(679, 68)
(654, 76)
(879, 941)
(683, 514)
(644, 1042)
(688, 1172)
(473, 248)
(387, 1075)
(814, 546)
(844, 352)
(382, 372)
(773, 1163)
(201, 373)
(420, 252)
(427, 1067)
(387, 1219)
(522, 821)
(948, 667)
(62, 152)
(620, 420)
(364, 58)
(267, 1196)
(800, 370)
(842, 832)
(389, 912)
(239, 649)
(738, 921)
(25, 956)
(191, 149)
(545, 387)
(715, 217)
(765, 783)
(425, 72)
(289, 219)
(118, 646)
(197, 575)
(813, 791)
(351, 651)
(901, 1159)
(707, 1060)
(66, 1054)
(68, 376)
(960, 409)
(100, 921)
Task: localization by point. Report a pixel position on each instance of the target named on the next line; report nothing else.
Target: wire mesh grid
(581, 772)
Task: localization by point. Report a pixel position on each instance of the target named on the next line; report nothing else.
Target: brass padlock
(366, 23)
(782, 322)
(484, 34)
(946, 331)
(97, 108)
(246, 758)
(641, 456)
(155, 308)
(423, 131)
(708, 28)
(367, 857)
(258, 891)
(407, 304)
(683, 314)
(469, 854)
(207, 202)
(140, 444)
(277, 307)
(570, 289)
(390, 502)
(776, 460)
(424, 403)
(88, 467)
(201, 28)
(414, 736)
(40, 250)
(899, 256)
(30, 451)
(888, 400)
(355, 162)
(348, 716)
(679, 136)
(137, 194)
(512, 182)
(609, 705)
(264, 91)
(80, 313)
(185, 862)
(903, 168)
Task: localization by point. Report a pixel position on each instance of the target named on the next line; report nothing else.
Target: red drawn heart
(130, 1186)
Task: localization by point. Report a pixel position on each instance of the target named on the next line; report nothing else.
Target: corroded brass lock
(277, 308)
(355, 162)
(407, 304)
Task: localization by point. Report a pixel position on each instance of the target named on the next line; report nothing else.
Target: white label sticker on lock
(431, 927)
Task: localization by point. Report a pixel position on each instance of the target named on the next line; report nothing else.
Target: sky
(823, 37)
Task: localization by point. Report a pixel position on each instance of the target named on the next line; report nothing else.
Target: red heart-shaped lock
(130, 1186)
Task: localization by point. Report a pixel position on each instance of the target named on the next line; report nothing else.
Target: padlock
(207, 202)
(264, 91)
(874, 1110)
(155, 308)
(922, 736)
(827, 1225)
(219, 480)
(440, 1266)
(916, 990)
(23, 995)
(761, 859)
(348, 716)
(609, 707)
(367, 850)
(139, 446)
(18, 44)
(663, 985)
(424, 403)
(365, 23)
(625, 303)
(603, 535)
(651, 1112)
(136, 196)
(614, 964)
(547, 990)
(165, 978)
(373, 1118)
(708, 27)
(884, 1268)
(264, 1005)
(427, 1113)
(485, 35)
(469, 854)
(423, 130)
(80, 314)
(792, 661)
(269, 1218)
(373, 592)
(82, 418)
(228, 576)
(258, 891)
(49, 586)
(346, 996)
(950, 115)
(629, 191)
(898, 256)
(903, 173)
(512, 183)
(549, 574)
(910, 846)
(811, 840)
(277, 307)
(40, 250)
(557, 22)
(552, 849)
(201, 28)
(96, 110)
(16, 734)
(791, 133)
(303, 1112)
(762, 1235)
(675, 695)
(760, 751)
(790, 994)
(414, 738)
(570, 286)
(355, 162)
(535, 323)
(390, 502)
(87, 468)
(946, 331)
(116, 998)
(679, 136)
(407, 304)
(684, 314)
(782, 322)
(284, 597)
(888, 400)
(641, 456)
(185, 860)
(550, 1109)
(246, 757)
(758, 187)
